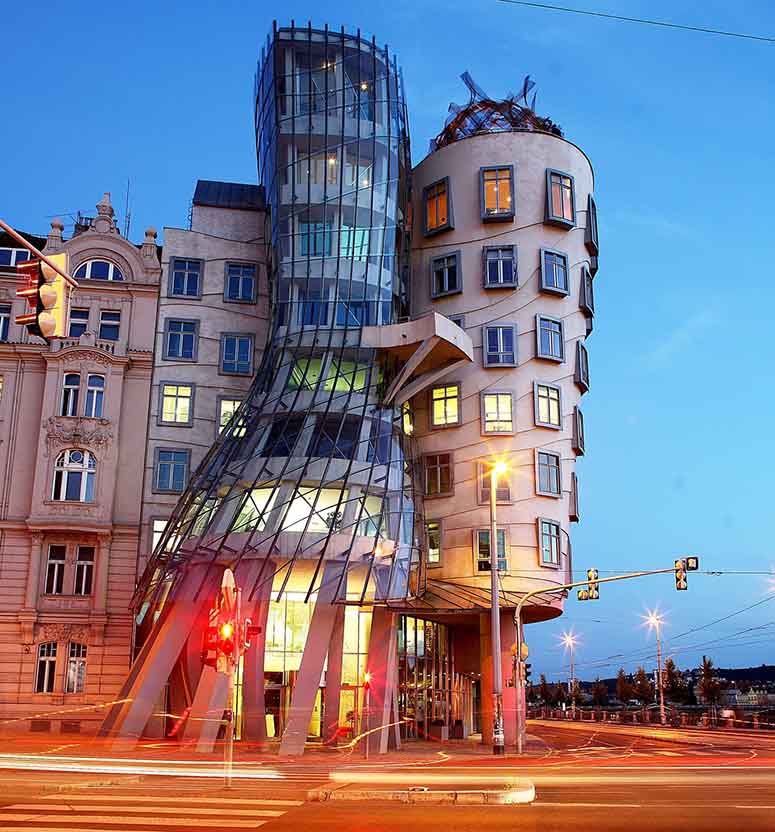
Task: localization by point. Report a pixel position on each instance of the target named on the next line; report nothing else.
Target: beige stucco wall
(460, 514)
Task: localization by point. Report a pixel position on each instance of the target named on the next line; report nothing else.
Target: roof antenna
(127, 214)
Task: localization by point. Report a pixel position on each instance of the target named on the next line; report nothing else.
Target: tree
(644, 689)
(599, 692)
(624, 690)
(675, 689)
(710, 687)
(574, 694)
(543, 691)
(559, 694)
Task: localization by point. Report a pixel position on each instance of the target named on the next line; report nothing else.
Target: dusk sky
(679, 127)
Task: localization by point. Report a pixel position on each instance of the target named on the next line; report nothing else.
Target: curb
(522, 792)
(94, 784)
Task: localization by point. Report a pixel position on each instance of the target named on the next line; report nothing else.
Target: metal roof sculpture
(483, 114)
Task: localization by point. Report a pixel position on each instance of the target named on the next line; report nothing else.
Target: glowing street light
(654, 621)
(569, 641)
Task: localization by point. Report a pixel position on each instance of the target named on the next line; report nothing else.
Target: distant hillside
(763, 673)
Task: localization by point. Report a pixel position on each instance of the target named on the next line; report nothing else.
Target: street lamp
(655, 621)
(570, 640)
(497, 469)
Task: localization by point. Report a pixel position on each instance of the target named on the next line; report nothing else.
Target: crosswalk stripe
(142, 819)
(247, 812)
(233, 801)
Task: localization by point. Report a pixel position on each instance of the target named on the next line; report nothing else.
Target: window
(240, 282)
(483, 560)
(484, 481)
(500, 346)
(354, 241)
(344, 376)
(5, 320)
(500, 266)
(55, 569)
(591, 237)
(582, 366)
(336, 436)
(438, 474)
(79, 321)
(254, 511)
(315, 510)
(560, 199)
(283, 436)
(185, 278)
(380, 438)
(98, 270)
(587, 296)
(549, 541)
(407, 419)
(548, 483)
(12, 256)
(171, 470)
(433, 532)
(76, 668)
(226, 409)
(438, 207)
(110, 323)
(497, 413)
(315, 239)
(180, 339)
(573, 509)
(47, 661)
(554, 272)
(578, 431)
(95, 393)
(74, 473)
(547, 402)
(305, 374)
(445, 275)
(497, 192)
(373, 517)
(445, 406)
(237, 354)
(70, 391)
(550, 342)
(458, 320)
(313, 307)
(84, 570)
(356, 313)
(177, 403)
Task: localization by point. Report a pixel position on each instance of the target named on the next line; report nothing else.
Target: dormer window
(98, 270)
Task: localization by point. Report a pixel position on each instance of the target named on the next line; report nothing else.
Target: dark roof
(229, 195)
(6, 241)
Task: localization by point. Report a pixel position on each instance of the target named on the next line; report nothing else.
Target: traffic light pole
(39, 254)
(232, 664)
(519, 681)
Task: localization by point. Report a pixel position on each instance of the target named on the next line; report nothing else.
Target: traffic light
(692, 563)
(226, 637)
(680, 574)
(593, 586)
(528, 670)
(367, 680)
(47, 295)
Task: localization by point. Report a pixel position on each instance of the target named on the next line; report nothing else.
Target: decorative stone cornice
(67, 431)
(63, 632)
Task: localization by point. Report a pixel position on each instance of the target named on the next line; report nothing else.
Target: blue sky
(679, 128)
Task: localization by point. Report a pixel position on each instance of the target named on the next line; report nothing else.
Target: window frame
(514, 283)
(160, 420)
(573, 500)
(90, 412)
(458, 320)
(84, 321)
(156, 489)
(49, 662)
(252, 341)
(171, 278)
(458, 398)
(592, 231)
(545, 356)
(506, 550)
(579, 439)
(71, 395)
(545, 286)
(581, 372)
(458, 273)
(86, 471)
(254, 295)
(109, 279)
(55, 571)
(77, 655)
(482, 471)
(551, 217)
(166, 339)
(219, 429)
(89, 568)
(540, 492)
(451, 490)
(536, 409)
(103, 312)
(540, 542)
(6, 314)
(436, 564)
(505, 325)
(506, 216)
(450, 223)
(586, 293)
(482, 412)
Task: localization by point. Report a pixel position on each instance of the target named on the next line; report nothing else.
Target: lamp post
(496, 469)
(655, 621)
(570, 640)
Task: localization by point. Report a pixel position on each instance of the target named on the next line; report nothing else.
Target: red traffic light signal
(226, 633)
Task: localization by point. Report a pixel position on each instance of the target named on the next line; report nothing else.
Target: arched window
(70, 390)
(47, 662)
(98, 270)
(95, 391)
(74, 476)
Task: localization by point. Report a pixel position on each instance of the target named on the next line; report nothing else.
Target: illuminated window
(548, 474)
(547, 405)
(438, 213)
(84, 570)
(433, 532)
(95, 395)
(157, 530)
(254, 512)
(74, 473)
(304, 374)
(185, 279)
(438, 474)
(98, 270)
(500, 266)
(550, 341)
(315, 510)
(79, 321)
(581, 376)
(549, 541)
(346, 376)
(483, 557)
(497, 416)
(500, 346)
(55, 569)
(176, 403)
(484, 481)
(560, 199)
(445, 406)
(70, 390)
(75, 676)
(497, 192)
(226, 409)
(445, 275)
(407, 419)
(372, 519)
(554, 272)
(46, 669)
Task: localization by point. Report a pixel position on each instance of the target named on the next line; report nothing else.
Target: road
(586, 776)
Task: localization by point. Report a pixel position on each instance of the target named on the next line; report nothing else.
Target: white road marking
(145, 820)
(189, 810)
(233, 801)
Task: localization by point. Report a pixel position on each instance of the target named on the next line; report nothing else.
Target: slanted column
(253, 704)
(383, 667)
(334, 678)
